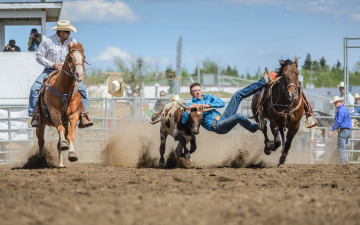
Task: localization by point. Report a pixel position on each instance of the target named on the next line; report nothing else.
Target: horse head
(289, 74)
(75, 61)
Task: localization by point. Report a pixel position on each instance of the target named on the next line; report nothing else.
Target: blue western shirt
(342, 118)
(209, 116)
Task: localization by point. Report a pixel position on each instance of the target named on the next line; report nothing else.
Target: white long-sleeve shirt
(350, 101)
(52, 51)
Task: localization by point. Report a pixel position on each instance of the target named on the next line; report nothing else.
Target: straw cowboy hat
(337, 99)
(356, 95)
(64, 25)
(341, 84)
(115, 85)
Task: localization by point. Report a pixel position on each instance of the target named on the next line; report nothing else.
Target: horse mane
(285, 62)
(77, 46)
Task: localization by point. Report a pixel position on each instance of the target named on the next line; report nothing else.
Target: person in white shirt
(51, 54)
(350, 98)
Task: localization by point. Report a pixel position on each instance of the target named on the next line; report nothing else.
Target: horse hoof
(188, 160)
(162, 162)
(64, 145)
(72, 157)
(267, 151)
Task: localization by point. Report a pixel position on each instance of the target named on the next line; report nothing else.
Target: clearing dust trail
(137, 145)
(136, 142)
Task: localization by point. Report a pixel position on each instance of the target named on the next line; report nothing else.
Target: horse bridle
(69, 60)
(288, 111)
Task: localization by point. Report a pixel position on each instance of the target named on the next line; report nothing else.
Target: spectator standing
(357, 102)
(34, 40)
(349, 96)
(343, 125)
(159, 105)
(11, 47)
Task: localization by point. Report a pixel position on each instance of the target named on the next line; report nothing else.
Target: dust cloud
(137, 145)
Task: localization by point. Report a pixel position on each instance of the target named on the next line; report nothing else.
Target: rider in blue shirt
(213, 120)
(342, 122)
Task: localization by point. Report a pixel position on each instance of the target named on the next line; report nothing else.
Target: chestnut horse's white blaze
(79, 69)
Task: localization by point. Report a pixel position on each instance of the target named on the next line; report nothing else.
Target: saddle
(266, 94)
(64, 97)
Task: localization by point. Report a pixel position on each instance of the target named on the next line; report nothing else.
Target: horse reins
(65, 98)
(289, 112)
(72, 72)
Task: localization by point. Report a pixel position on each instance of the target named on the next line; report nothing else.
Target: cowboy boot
(84, 120)
(36, 118)
(267, 76)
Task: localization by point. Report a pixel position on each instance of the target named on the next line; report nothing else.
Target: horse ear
(296, 61)
(281, 62)
(69, 45)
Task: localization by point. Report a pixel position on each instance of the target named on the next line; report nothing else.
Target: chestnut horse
(60, 103)
(282, 103)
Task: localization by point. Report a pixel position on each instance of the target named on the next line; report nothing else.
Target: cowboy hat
(356, 95)
(115, 85)
(337, 99)
(341, 84)
(174, 98)
(64, 25)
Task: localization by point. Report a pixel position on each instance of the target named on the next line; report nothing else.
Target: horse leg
(163, 137)
(40, 132)
(63, 144)
(285, 151)
(277, 140)
(193, 144)
(282, 136)
(61, 164)
(70, 133)
(267, 149)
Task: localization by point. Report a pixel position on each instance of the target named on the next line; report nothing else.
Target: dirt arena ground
(225, 184)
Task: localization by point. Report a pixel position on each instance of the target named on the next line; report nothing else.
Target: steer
(170, 117)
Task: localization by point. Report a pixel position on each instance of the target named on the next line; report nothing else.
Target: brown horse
(283, 104)
(61, 104)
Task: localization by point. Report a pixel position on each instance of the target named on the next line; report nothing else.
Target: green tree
(307, 62)
(230, 71)
(209, 66)
(322, 62)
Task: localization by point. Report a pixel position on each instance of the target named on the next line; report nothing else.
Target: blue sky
(248, 34)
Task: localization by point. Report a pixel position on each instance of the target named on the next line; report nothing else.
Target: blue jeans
(34, 46)
(230, 118)
(35, 88)
(343, 137)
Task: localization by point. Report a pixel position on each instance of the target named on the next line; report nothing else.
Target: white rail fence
(16, 134)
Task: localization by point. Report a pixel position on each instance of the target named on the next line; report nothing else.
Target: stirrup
(84, 120)
(36, 120)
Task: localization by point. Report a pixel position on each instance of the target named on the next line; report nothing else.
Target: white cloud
(98, 11)
(110, 52)
(254, 2)
(157, 61)
(355, 18)
(308, 6)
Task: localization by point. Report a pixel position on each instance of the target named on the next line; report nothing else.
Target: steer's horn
(182, 104)
(208, 109)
